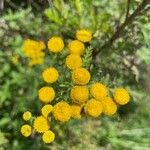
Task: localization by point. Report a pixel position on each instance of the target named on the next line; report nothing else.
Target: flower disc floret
(26, 130)
(46, 94)
(48, 137)
(99, 91)
(27, 115)
(79, 94)
(76, 111)
(50, 75)
(41, 124)
(73, 61)
(76, 47)
(84, 35)
(93, 108)
(34, 51)
(55, 44)
(109, 106)
(81, 76)
(121, 96)
(62, 111)
(46, 110)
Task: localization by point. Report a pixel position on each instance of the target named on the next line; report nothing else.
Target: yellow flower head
(81, 76)
(41, 124)
(83, 35)
(99, 91)
(34, 50)
(79, 94)
(36, 61)
(46, 110)
(42, 45)
(48, 136)
(55, 44)
(27, 115)
(76, 111)
(62, 111)
(93, 108)
(109, 106)
(26, 130)
(46, 94)
(73, 61)
(31, 47)
(121, 96)
(50, 75)
(76, 47)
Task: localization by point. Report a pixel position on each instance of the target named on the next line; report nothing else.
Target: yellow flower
(31, 47)
(76, 47)
(50, 75)
(26, 130)
(109, 106)
(99, 91)
(79, 94)
(48, 136)
(42, 45)
(15, 59)
(36, 61)
(41, 124)
(27, 115)
(46, 94)
(81, 76)
(46, 110)
(76, 111)
(73, 61)
(34, 50)
(83, 35)
(62, 111)
(55, 44)
(121, 96)
(93, 108)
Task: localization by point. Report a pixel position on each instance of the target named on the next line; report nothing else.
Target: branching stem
(129, 19)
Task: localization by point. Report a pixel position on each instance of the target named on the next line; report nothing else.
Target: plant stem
(129, 19)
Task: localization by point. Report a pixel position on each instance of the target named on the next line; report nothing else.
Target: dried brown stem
(121, 28)
(128, 9)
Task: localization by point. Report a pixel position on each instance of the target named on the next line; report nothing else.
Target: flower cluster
(87, 98)
(34, 51)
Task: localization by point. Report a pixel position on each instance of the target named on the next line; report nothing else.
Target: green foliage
(126, 64)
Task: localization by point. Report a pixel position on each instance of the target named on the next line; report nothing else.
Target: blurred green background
(125, 63)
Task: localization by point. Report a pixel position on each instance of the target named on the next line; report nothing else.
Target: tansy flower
(42, 45)
(73, 61)
(27, 115)
(34, 51)
(41, 124)
(32, 48)
(121, 96)
(50, 75)
(35, 61)
(76, 111)
(99, 91)
(83, 35)
(109, 106)
(48, 136)
(55, 44)
(46, 110)
(79, 94)
(93, 108)
(62, 111)
(26, 130)
(81, 76)
(46, 94)
(76, 47)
